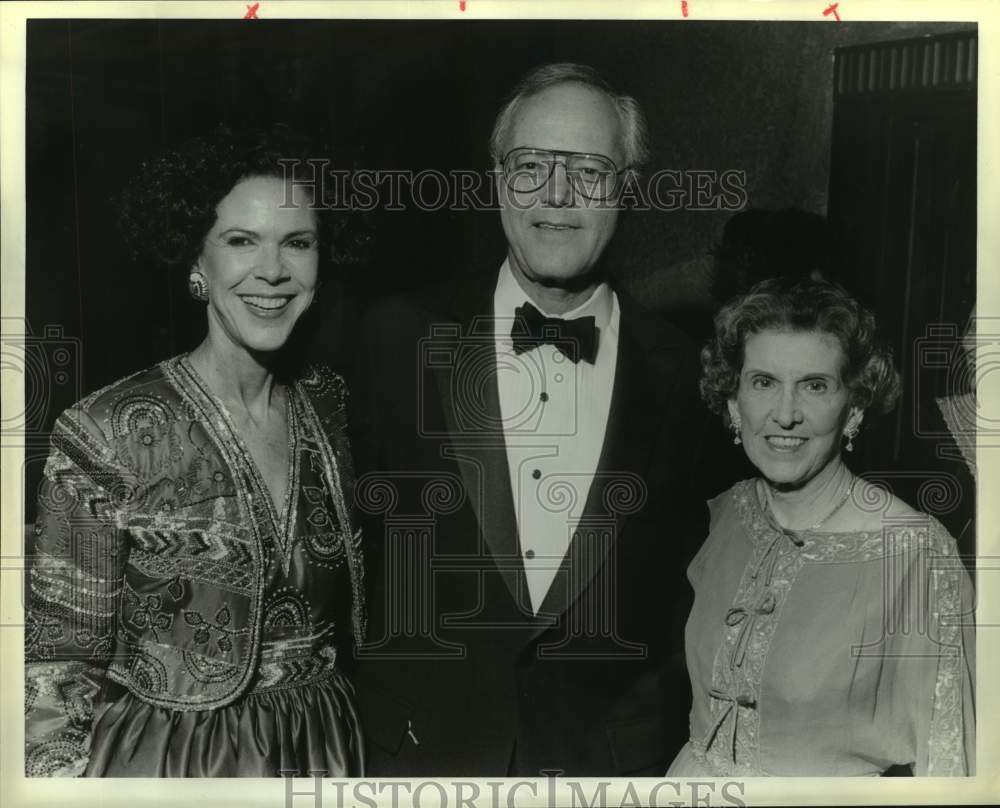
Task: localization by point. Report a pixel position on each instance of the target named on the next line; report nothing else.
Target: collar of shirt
(601, 305)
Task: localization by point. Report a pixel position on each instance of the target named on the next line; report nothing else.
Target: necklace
(840, 504)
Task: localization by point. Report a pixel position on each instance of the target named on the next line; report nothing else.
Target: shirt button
(544, 397)
(536, 474)
(529, 554)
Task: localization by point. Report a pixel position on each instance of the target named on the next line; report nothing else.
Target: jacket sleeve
(945, 723)
(75, 580)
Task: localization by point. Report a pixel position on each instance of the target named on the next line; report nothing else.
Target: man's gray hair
(633, 122)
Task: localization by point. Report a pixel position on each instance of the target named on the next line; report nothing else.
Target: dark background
(104, 95)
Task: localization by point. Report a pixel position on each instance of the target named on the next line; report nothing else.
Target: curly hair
(169, 207)
(800, 304)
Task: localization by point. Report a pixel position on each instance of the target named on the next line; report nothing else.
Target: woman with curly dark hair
(830, 633)
(198, 569)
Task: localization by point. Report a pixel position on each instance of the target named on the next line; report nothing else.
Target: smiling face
(792, 404)
(260, 260)
(555, 236)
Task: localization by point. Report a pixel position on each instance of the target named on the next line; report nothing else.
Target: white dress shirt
(554, 415)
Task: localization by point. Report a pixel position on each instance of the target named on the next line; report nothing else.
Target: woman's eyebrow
(807, 375)
(245, 230)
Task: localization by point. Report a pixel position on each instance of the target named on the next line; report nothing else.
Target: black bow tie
(576, 339)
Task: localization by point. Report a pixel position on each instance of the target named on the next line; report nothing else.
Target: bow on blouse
(732, 703)
(738, 616)
(746, 619)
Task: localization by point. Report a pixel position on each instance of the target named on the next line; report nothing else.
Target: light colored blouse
(827, 654)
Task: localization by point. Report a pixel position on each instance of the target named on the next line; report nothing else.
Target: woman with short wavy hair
(831, 629)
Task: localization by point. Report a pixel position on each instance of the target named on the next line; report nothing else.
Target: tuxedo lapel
(644, 373)
(470, 401)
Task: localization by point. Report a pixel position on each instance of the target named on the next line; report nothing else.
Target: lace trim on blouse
(731, 747)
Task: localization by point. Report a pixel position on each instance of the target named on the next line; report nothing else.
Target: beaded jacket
(153, 535)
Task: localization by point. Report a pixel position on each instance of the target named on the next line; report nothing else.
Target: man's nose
(559, 189)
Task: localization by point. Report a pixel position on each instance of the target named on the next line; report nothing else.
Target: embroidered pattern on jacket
(155, 547)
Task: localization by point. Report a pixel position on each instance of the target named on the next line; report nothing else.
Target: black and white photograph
(481, 403)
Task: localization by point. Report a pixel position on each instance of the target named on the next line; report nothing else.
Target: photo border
(18, 790)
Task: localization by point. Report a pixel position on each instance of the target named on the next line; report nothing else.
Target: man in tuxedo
(525, 444)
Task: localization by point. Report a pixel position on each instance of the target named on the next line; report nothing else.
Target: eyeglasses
(592, 175)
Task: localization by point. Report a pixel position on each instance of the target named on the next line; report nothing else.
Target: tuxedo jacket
(458, 676)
